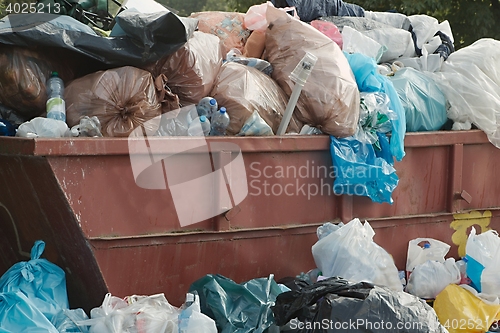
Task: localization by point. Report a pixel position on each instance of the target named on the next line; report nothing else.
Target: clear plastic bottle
(220, 122)
(207, 106)
(200, 126)
(186, 313)
(205, 125)
(56, 107)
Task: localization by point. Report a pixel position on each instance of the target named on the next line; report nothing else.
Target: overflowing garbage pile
(356, 287)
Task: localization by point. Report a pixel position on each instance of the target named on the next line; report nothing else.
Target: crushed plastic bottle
(56, 106)
(220, 122)
(207, 106)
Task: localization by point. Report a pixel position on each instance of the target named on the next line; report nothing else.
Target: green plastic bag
(237, 308)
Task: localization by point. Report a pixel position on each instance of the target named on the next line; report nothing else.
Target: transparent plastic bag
(41, 127)
(428, 279)
(431, 249)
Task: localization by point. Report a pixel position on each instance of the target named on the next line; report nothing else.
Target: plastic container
(207, 107)
(220, 122)
(56, 106)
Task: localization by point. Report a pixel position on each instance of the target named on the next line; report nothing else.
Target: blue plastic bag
(43, 282)
(66, 321)
(424, 103)
(18, 314)
(359, 171)
(369, 80)
(237, 308)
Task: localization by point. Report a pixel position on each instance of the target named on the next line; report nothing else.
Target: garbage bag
(19, 314)
(41, 127)
(192, 70)
(330, 97)
(484, 249)
(461, 311)
(369, 80)
(312, 9)
(150, 36)
(330, 30)
(471, 83)
(421, 250)
(228, 26)
(351, 253)
(422, 100)
(242, 90)
(359, 171)
(23, 75)
(241, 308)
(121, 98)
(152, 314)
(66, 321)
(43, 283)
(428, 279)
(336, 305)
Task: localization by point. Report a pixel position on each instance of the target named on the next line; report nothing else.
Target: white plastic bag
(40, 127)
(351, 253)
(417, 255)
(430, 278)
(485, 249)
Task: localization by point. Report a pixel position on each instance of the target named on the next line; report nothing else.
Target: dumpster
(81, 196)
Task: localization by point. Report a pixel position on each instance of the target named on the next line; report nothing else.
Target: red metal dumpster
(110, 235)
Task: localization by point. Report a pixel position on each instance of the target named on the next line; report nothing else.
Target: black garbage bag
(309, 10)
(359, 307)
(149, 36)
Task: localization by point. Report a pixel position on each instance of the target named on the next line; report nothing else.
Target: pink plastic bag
(256, 18)
(330, 30)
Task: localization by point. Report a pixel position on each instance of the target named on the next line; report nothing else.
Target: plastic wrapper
(262, 65)
(43, 282)
(374, 117)
(460, 311)
(330, 30)
(369, 80)
(430, 278)
(330, 98)
(309, 10)
(40, 127)
(243, 90)
(483, 267)
(192, 70)
(227, 26)
(19, 314)
(150, 36)
(422, 100)
(66, 321)
(471, 83)
(122, 98)
(241, 308)
(24, 74)
(337, 305)
(353, 243)
(88, 127)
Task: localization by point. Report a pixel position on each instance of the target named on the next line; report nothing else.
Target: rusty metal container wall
(108, 234)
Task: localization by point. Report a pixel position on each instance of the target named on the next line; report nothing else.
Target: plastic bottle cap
(54, 74)
(213, 101)
(203, 119)
(223, 110)
(189, 297)
(427, 245)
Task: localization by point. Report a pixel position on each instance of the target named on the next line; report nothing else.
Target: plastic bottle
(186, 313)
(207, 106)
(56, 107)
(220, 122)
(200, 126)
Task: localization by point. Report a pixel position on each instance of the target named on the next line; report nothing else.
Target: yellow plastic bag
(459, 310)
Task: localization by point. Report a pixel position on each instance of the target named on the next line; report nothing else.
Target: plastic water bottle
(56, 107)
(207, 107)
(220, 122)
(200, 126)
(186, 313)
